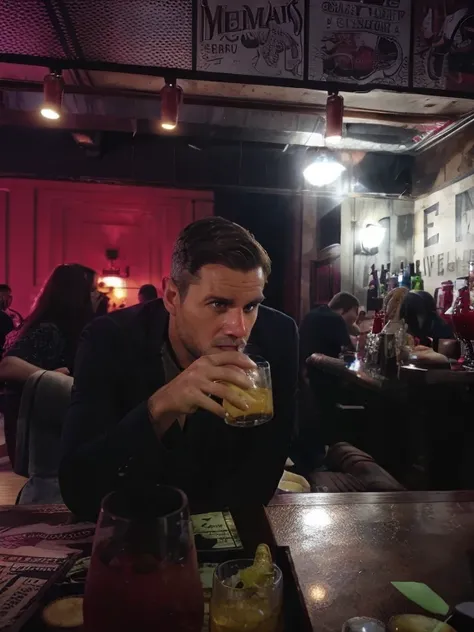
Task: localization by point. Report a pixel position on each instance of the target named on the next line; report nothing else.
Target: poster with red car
(360, 41)
(443, 56)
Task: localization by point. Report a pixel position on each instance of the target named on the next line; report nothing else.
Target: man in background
(147, 293)
(327, 328)
(6, 321)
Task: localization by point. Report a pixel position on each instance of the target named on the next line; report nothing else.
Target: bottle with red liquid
(378, 323)
(143, 573)
(463, 320)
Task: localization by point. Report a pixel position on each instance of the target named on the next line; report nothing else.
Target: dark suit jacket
(108, 440)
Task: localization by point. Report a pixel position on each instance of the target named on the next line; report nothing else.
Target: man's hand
(211, 375)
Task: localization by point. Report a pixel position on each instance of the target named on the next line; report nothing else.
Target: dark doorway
(268, 216)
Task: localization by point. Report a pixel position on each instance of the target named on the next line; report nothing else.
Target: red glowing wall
(45, 223)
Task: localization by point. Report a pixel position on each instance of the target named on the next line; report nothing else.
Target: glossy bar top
(347, 548)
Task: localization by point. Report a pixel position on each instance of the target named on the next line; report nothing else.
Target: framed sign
(465, 215)
(251, 37)
(359, 41)
(444, 45)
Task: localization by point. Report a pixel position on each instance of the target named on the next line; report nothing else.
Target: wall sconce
(371, 237)
(112, 278)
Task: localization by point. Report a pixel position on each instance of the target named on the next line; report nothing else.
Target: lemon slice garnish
(261, 571)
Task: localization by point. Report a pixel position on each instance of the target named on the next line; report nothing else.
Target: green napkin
(423, 596)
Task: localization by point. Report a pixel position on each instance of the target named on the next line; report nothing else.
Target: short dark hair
(344, 301)
(148, 291)
(5, 288)
(215, 240)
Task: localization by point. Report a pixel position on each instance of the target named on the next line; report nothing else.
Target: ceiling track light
(171, 97)
(53, 90)
(334, 117)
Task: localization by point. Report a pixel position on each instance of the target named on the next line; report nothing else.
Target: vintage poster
(25, 574)
(465, 215)
(360, 41)
(254, 37)
(443, 56)
(214, 531)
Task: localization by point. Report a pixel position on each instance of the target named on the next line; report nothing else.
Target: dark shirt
(440, 329)
(43, 346)
(109, 442)
(6, 326)
(323, 331)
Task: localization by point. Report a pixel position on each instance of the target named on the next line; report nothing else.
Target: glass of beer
(259, 398)
(234, 608)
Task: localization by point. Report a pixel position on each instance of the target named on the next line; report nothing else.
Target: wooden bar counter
(347, 548)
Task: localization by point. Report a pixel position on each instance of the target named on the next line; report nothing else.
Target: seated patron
(149, 383)
(47, 339)
(147, 292)
(327, 329)
(423, 322)
(6, 321)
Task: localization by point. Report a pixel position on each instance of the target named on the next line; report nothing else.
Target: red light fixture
(53, 90)
(334, 117)
(171, 97)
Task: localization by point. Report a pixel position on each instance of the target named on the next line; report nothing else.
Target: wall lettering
(431, 233)
(428, 263)
(452, 261)
(441, 264)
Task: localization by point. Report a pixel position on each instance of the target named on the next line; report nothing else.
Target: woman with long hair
(50, 333)
(48, 338)
(423, 322)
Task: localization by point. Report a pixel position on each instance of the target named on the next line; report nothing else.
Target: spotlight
(334, 117)
(53, 89)
(171, 96)
(323, 171)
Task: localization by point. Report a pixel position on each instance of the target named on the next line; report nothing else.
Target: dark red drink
(143, 574)
(141, 593)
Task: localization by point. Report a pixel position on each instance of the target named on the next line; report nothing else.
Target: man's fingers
(235, 358)
(235, 397)
(230, 375)
(204, 401)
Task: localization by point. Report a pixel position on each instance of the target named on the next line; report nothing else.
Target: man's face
(351, 316)
(141, 298)
(5, 299)
(218, 311)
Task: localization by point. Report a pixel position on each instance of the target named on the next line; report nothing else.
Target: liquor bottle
(392, 279)
(417, 280)
(406, 279)
(471, 281)
(373, 290)
(374, 284)
(400, 275)
(412, 275)
(383, 281)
